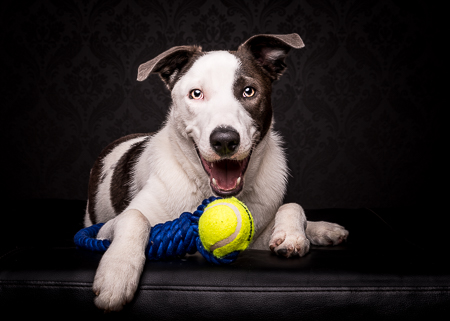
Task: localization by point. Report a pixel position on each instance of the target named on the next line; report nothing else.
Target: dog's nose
(224, 141)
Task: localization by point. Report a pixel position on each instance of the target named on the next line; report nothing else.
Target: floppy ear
(270, 51)
(168, 64)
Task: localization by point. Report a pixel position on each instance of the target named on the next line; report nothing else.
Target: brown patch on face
(258, 106)
(96, 177)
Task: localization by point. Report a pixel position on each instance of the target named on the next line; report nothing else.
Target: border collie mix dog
(217, 139)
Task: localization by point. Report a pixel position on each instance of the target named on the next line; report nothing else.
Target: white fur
(121, 266)
(289, 231)
(169, 179)
(214, 75)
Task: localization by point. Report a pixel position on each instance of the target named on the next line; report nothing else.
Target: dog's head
(222, 101)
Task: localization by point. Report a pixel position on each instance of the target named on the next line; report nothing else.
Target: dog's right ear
(168, 64)
(270, 51)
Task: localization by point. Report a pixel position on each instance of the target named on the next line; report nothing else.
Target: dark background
(357, 106)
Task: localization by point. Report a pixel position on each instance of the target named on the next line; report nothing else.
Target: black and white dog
(217, 139)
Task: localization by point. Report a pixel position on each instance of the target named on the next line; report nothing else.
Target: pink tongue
(226, 173)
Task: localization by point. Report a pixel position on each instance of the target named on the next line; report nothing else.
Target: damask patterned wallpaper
(356, 106)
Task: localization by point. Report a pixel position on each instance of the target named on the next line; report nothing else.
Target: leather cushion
(376, 274)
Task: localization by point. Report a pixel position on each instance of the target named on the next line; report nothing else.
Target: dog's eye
(248, 92)
(196, 94)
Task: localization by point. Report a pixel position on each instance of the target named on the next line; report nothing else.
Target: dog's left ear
(270, 51)
(168, 64)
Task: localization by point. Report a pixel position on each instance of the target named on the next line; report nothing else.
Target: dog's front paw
(115, 282)
(324, 233)
(289, 243)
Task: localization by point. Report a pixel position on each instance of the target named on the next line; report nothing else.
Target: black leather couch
(391, 268)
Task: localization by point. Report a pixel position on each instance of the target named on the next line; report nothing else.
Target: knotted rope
(167, 240)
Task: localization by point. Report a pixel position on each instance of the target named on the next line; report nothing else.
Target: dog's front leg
(288, 236)
(120, 268)
(325, 233)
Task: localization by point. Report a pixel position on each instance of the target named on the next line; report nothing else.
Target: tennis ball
(226, 226)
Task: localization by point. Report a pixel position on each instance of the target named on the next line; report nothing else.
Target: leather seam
(315, 289)
(51, 284)
(43, 284)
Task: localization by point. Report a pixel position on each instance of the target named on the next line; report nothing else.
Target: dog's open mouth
(226, 176)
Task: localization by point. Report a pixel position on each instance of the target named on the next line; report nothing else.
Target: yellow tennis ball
(226, 226)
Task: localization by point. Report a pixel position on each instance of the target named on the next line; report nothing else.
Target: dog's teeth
(214, 182)
(212, 165)
(238, 181)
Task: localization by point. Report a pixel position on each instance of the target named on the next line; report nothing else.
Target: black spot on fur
(122, 177)
(96, 177)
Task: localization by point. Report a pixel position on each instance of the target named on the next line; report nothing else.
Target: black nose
(224, 141)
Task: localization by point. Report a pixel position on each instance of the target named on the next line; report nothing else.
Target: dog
(218, 139)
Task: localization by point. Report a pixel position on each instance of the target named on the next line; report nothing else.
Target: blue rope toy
(167, 240)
